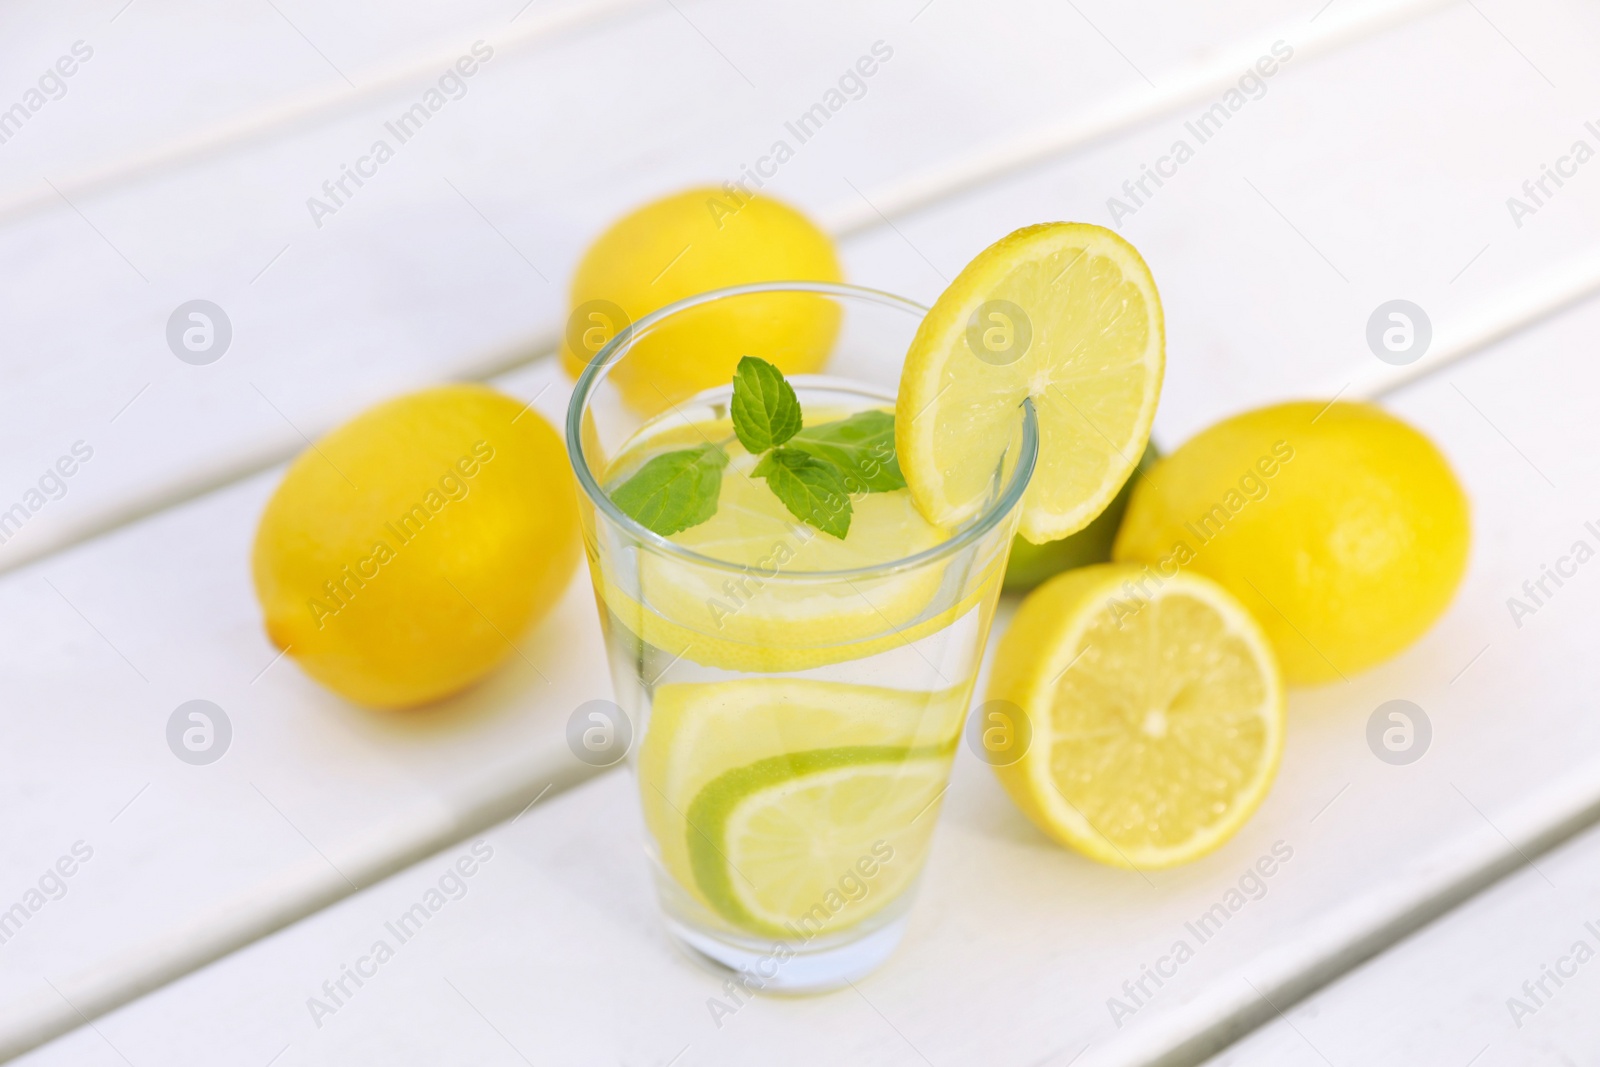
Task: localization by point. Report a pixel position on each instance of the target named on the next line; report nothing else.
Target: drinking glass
(792, 728)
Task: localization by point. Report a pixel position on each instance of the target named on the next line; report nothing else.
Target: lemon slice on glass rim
(1065, 314)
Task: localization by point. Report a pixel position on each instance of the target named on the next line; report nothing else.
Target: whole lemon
(403, 552)
(1342, 528)
(689, 243)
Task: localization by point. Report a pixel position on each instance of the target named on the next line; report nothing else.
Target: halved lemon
(1156, 708)
(1065, 314)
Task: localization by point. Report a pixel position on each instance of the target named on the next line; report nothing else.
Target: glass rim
(1008, 498)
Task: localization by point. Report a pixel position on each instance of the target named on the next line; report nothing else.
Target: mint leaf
(765, 411)
(861, 446)
(675, 490)
(812, 489)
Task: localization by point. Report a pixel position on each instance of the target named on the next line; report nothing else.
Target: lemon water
(797, 699)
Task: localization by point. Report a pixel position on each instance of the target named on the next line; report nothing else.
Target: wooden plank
(1501, 981)
(296, 65)
(157, 85)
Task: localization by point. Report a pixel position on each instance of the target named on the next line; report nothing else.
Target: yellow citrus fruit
(403, 553)
(1065, 314)
(1156, 715)
(689, 243)
(1342, 529)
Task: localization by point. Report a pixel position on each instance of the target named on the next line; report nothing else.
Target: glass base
(784, 968)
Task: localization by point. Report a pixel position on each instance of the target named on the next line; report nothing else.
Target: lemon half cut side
(1157, 721)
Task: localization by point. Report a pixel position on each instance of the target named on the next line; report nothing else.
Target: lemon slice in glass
(700, 731)
(1064, 314)
(752, 530)
(814, 842)
(763, 610)
(1157, 720)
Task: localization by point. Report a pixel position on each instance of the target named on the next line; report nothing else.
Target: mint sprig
(764, 409)
(862, 446)
(815, 472)
(675, 490)
(813, 489)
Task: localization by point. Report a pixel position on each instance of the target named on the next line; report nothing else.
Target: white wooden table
(175, 164)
